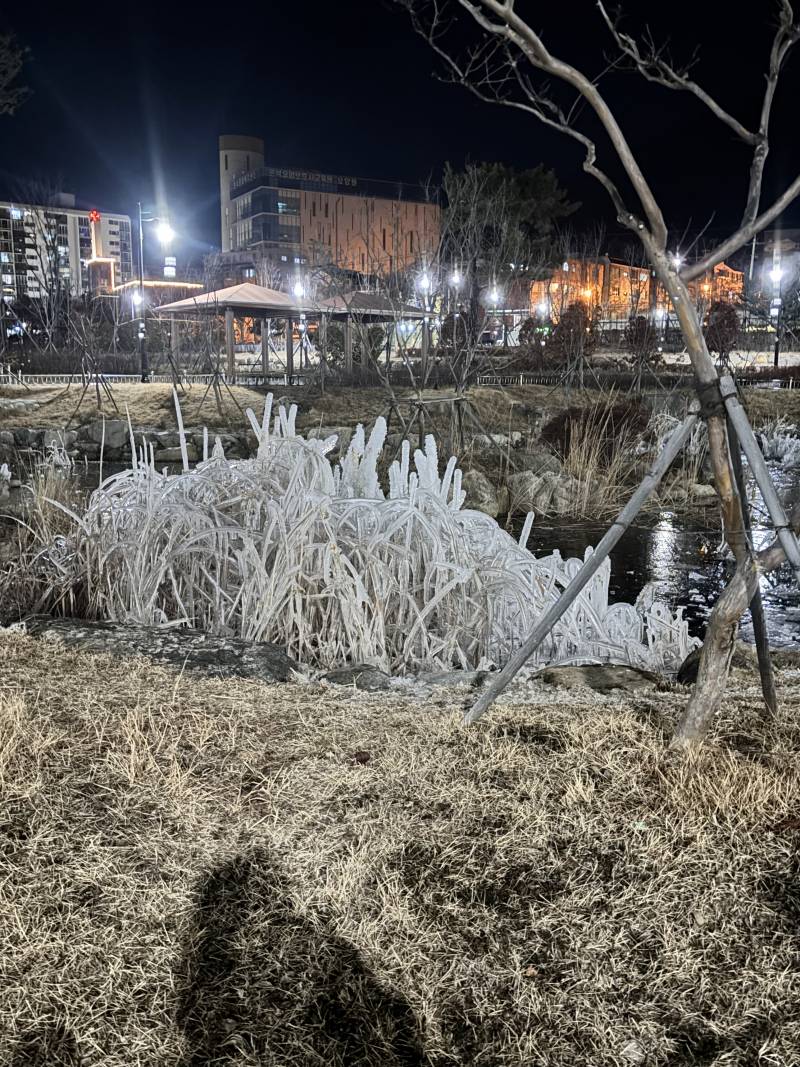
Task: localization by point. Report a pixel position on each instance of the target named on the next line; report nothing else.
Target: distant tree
(497, 230)
(12, 58)
(721, 329)
(641, 340)
(573, 339)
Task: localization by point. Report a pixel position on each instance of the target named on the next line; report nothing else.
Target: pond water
(686, 560)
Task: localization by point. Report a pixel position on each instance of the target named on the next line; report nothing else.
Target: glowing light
(587, 293)
(164, 232)
(94, 216)
(137, 298)
(494, 294)
(776, 274)
(677, 260)
(543, 309)
(455, 278)
(299, 289)
(424, 283)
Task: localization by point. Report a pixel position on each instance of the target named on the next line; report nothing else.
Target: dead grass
(149, 405)
(197, 871)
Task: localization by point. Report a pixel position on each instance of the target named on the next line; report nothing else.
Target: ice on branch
(323, 562)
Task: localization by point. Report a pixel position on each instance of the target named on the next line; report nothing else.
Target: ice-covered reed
(284, 547)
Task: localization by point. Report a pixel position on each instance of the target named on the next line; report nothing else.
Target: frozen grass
(329, 566)
(205, 871)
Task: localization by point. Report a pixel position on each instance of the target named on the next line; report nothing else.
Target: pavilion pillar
(230, 350)
(265, 324)
(389, 332)
(348, 346)
(322, 338)
(426, 344)
(289, 352)
(175, 338)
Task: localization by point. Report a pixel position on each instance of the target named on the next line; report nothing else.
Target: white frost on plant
(321, 561)
(780, 443)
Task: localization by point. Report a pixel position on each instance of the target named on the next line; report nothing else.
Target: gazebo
(246, 300)
(370, 307)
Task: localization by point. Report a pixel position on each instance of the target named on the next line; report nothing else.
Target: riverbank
(199, 869)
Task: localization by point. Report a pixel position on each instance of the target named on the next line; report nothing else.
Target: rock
(361, 675)
(481, 494)
(26, 438)
(603, 678)
(88, 449)
(548, 493)
(174, 455)
(113, 433)
(59, 438)
(703, 495)
(744, 658)
(7, 439)
(192, 649)
(537, 460)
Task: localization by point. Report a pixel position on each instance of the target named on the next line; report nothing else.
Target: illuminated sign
(94, 216)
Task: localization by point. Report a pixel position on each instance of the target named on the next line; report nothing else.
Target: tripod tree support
(756, 604)
(758, 466)
(590, 567)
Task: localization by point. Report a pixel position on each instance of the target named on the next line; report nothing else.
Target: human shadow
(261, 983)
(50, 1045)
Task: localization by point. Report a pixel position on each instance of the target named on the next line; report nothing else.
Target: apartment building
(43, 246)
(294, 216)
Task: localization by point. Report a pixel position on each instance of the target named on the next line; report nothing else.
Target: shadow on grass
(46, 1046)
(260, 983)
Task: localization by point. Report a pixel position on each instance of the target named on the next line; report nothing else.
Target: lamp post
(776, 274)
(165, 234)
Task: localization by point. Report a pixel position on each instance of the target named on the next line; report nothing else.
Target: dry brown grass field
(199, 871)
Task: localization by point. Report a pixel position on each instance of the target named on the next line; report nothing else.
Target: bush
(611, 422)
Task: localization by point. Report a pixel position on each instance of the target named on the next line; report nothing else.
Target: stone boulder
(112, 433)
(189, 649)
(603, 678)
(704, 496)
(174, 455)
(543, 494)
(59, 438)
(27, 438)
(538, 460)
(482, 495)
(361, 675)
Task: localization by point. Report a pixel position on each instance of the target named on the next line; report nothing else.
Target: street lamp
(165, 234)
(299, 289)
(776, 275)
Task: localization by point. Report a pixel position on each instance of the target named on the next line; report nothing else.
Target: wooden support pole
(289, 351)
(348, 345)
(229, 345)
(589, 568)
(758, 466)
(265, 326)
(426, 342)
(756, 605)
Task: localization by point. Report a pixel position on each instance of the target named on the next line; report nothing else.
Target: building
(624, 290)
(293, 217)
(58, 246)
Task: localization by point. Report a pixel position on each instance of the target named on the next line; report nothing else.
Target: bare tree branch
(655, 68)
(744, 234)
(513, 29)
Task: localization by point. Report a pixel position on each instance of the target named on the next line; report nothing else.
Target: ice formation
(780, 444)
(284, 547)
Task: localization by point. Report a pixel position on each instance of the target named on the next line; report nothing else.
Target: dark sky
(128, 101)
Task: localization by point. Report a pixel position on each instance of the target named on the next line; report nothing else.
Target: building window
(284, 259)
(384, 238)
(226, 161)
(326, 209)
(313, 209)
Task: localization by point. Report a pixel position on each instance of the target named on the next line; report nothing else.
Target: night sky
(128, 101)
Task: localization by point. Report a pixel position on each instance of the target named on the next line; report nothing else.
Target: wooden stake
(756, 605)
